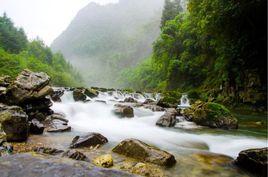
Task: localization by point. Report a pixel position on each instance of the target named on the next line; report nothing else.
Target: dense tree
(12, 39)
(217, 46)
(171, 9)
(16, 54)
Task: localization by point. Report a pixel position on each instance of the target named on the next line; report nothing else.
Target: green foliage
(217, 46)
(12, 39)
(34, 56)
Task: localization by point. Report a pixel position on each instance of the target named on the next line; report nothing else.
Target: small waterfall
(184, 102)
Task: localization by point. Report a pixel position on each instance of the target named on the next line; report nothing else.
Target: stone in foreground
(254, 160)
(89, 140)
(28, 165)
(141, 151)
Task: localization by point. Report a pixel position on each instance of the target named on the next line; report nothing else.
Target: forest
(18, 53)
(216, 49)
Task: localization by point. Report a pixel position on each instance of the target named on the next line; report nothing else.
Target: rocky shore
(25, 110)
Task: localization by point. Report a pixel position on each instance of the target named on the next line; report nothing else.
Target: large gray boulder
(141, 151)
(29, 85)
(168, 119)
(13, 123)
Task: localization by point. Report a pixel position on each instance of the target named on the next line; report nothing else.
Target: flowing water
(97, 116)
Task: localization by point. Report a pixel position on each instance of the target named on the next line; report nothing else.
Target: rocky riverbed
(107, 132)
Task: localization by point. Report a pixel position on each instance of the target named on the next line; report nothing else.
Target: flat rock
(141, 151)
(89, 140)
(28, 165)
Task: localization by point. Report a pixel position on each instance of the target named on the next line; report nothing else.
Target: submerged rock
(210, 114)
(76, 155)
(124, 111)
(30, 165)
(105, 161)
(141, 151)
(48, 150)
(89, 140)
(168, 119)
(13, 123)
(254, 160)
(36, 127)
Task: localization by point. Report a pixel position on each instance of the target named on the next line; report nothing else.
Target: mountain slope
(102, 40)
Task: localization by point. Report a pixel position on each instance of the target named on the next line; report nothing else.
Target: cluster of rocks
(25, 106)
(84, 94)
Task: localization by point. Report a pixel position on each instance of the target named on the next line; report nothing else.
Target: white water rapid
(96, 116)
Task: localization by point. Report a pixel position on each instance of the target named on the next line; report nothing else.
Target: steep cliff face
(101, 40)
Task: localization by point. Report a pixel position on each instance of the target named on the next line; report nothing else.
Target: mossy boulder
(170, 99)
(92, 93)
(79, 95)
(210, 114)
(254, 160)
(105, 161)
(13, 123)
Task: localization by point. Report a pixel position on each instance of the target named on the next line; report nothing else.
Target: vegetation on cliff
(216, 48)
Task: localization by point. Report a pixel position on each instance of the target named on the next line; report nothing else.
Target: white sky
(44, 18)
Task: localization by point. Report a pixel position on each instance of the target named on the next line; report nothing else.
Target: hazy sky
(44, 18)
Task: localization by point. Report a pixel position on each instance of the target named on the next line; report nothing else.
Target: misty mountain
(104, 39)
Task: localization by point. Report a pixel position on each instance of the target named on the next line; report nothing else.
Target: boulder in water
(124, 111)
(130, 100)
(149, 101)
(58, 126)
(91, 93)
(57, 94)
(79, 95)
(154, 108)
(36, 127)
(211, 115)
(13, 123)
(254, 160)
(105, 161)
(89, 140)
(141, 151)
(168, 119)
(48, 150)
(167, 102)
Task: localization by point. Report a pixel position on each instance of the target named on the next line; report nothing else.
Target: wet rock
(57, 116)
(78, 95)
(58, 126)
(48, 150)
(254, 160)
(141, 151)
(149, 101)
(57, 94)
(36, 127)
(154, 108)
(41, 105)
(210, 114)
(29, 85)
(76, 155)
(168, 102)
(130, 100)
(91, 93)
(124, 111)
(89, 140)
(146, 170)
(168, 119)
(30, 165)
(13, 123)
(105, 161)
(40, 116)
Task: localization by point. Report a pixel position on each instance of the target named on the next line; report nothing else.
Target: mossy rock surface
(211, 114)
